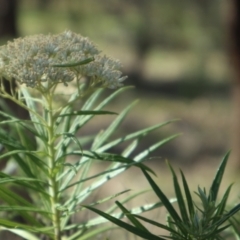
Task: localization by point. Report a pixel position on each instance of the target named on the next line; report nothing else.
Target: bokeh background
(181, 56)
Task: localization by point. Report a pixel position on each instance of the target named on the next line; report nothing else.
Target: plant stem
(53, 184)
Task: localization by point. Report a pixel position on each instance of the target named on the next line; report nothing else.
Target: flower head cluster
(34, 60)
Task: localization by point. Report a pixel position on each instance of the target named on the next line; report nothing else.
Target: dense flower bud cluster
(35, 61)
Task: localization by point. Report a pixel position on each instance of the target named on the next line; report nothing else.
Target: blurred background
(182, 57)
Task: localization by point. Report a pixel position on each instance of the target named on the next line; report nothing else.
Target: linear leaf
(78, 113)
(114, 158)
(74, 64)
(181, 203)
(133, 135)
(22, 233)
(128, 227)
(131, 218)
(154, 223)
(112, 127)
(218, 178)
(191, 209)
(14, 225)
(162, 197)
(36, 119)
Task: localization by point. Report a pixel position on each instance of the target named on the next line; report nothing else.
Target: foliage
(194, 222)
(54, 160)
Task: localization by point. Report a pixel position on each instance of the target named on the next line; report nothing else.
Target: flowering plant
(53, 159)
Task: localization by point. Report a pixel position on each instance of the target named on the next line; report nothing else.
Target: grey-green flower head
(42, 61)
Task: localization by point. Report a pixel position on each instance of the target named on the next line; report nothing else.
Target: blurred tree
(8, 18)
(234, 33)
(169, 25)
(8, 30)
(43, 4)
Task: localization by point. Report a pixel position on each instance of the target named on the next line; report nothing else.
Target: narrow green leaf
(154, 223)
(109, 198)
(190, 204)
(78, 122)
(84, 179)
(130, 148)
(23, 209)
(115, 158)
(213, 192)
(80, 235)
(133, 135)
(14, 199)
(15, 225)
(74, 64)
(24, 166)
(21, 233)
(235, 226)
(78, 113)
(81, 120)
(227, 216)
(152, 148)
(203, 196)
(162, 197)
(112, 127)
(181, 202)
(24, 182)
(9, 141)
(119, 215)
(112, 209)
(126, 226)
(222, 205)
(37, 120)
(74, 197)
(131, 217)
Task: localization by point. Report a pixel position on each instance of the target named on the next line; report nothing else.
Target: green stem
(53, 183)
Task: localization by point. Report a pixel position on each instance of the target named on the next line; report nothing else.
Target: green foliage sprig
(194, 221)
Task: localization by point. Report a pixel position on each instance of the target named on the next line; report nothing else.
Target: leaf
(126, 226)
(178, 192)
(191, 209)
(131, 136)
(108, 198)
(226, 216)
(74, 64)
(119, 215)
(132, 219)
(37, 120)
(112, 127)
(81, 120)
(22, 233)
(222, 205)
(169, 229)
(152, 148)
(24, 182)
(13, 199)
(78, 113)
(114, 158)
(84, 178)
(81, 235)
(23, 209)
(217, 180)
(15, 225)
(162, 198)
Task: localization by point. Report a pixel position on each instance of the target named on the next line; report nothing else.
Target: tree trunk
(234, 47)
(8, 30)
(8, 18)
